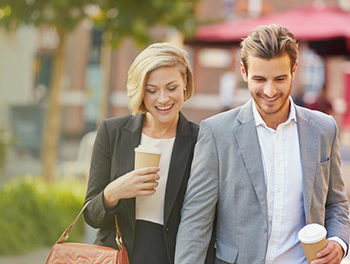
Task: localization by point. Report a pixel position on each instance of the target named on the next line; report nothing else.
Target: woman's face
(164, 94)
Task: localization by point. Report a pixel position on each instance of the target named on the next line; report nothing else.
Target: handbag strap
(65, 235)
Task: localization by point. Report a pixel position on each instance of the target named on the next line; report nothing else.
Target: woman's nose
(163, 97)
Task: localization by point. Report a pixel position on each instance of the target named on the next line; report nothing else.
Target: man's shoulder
(315, 115)
(223, 118)
(222, 122)
(320, 120)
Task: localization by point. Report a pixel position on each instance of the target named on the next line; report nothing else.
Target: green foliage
(3, 149)
(135, 18)
(34, 213)
(121, 18)
(63, 14)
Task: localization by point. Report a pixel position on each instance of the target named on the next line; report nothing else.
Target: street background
(59, 77)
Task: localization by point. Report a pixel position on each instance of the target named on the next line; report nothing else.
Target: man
(265, 169)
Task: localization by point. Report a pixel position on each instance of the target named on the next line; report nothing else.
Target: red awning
(309, 23)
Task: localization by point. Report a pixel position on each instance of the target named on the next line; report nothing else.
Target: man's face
(270, 84)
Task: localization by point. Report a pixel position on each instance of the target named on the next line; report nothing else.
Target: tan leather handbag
(74, 253)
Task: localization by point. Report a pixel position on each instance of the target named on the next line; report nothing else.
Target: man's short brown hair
(268, 42)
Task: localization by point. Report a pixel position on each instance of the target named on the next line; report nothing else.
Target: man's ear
(294, 69)
(243, 72)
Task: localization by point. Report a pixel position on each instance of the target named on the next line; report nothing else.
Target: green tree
(118, 18)
(63, 16)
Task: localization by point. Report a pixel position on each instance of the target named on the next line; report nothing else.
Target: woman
(147, 202)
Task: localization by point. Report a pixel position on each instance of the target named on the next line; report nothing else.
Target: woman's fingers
(147, 178)
(145, 171)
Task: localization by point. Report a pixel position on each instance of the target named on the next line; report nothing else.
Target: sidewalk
(35, 257)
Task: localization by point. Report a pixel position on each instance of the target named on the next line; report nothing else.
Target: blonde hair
(155, 56)
(267, 42)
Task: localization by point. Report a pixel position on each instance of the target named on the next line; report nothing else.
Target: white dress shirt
(284, 182)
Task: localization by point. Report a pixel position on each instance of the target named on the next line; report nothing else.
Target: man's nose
(270, 90)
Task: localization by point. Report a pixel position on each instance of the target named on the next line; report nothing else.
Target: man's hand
(331, 254)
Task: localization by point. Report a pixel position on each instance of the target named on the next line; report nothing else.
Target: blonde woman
(148, 211)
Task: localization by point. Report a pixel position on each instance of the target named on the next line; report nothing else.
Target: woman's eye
(150, 91)
(172, 88)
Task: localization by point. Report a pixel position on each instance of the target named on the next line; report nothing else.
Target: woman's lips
(164, 109)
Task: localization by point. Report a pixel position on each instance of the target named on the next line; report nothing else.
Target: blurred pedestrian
(265, 169)
(228, 85)
(321, 103)
(148, 201)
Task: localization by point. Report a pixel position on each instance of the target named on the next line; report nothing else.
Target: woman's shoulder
(117, 122)
(191, 125)
(194, 127)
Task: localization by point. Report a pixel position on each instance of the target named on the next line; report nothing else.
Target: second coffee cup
(313, 239)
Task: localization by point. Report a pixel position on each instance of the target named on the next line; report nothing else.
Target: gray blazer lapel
(130, 138)
(178, 163)
(248, 142)
(308, 143)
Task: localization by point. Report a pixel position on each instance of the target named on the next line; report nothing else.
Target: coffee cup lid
(312, 233)
(148, 149)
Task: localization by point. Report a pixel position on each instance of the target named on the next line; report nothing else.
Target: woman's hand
(141, 182)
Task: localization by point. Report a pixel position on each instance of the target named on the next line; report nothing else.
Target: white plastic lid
(312, 233)
(148, 149)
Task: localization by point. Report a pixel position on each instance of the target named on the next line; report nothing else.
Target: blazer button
(166, 229)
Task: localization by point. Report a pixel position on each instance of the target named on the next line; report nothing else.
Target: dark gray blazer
(113, 156)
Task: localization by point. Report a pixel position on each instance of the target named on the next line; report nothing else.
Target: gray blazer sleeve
(337, 207)
(200, 201)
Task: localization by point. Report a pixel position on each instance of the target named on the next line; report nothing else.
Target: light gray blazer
(227, 179)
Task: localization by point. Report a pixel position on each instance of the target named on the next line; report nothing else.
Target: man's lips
(269, 99)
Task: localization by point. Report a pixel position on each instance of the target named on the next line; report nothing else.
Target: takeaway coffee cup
(313, 239)
(146, 156)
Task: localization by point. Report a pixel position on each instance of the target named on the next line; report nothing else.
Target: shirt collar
(260, 122)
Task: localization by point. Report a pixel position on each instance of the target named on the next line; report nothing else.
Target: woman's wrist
(109, 198)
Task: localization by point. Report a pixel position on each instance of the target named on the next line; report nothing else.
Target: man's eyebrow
(258, 76)
(282, 75)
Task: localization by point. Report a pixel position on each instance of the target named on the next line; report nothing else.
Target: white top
(283, 176)
(151, 208)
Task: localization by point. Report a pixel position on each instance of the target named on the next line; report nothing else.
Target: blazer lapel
(308, 144)
(179, 159)
(129, 140)
(248, 142)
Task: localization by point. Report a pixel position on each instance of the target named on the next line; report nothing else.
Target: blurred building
(31, 52)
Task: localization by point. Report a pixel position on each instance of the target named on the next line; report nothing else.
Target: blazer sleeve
(96, 214)
(337, 205)
(200, 201)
